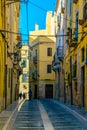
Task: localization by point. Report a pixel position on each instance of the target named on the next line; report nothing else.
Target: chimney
(36, 26)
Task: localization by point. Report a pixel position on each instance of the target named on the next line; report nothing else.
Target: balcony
(19, 57)
(74, 70)
(60, 52)
(34, 75)
(35, 59)
(67, 40)
(15, 64)
(74, 42)
(81, 21)
(20, 71)
(68, 35)
(19, 45)
(85, 13)
(55, 64)
(75, 1)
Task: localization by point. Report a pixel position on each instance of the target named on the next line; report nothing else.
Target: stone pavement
(5, 115)
(81, 113)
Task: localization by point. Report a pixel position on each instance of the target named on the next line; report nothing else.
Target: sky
(34, 12)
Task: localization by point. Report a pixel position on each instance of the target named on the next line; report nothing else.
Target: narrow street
(45, 114)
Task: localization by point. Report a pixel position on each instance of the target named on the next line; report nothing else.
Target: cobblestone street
(43, 114)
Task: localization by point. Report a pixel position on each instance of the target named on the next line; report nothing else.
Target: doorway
(83, 86)
(49, 91)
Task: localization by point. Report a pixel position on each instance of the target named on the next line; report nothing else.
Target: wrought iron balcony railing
(55, 64)
(35, 59)
(60, 52)
(74, 42)
(34, 75)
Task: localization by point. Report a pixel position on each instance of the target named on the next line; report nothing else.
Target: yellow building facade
(76, 55)
(50, 27)
(12, 51)
(8, 71)
(41, 76)
(2, 56)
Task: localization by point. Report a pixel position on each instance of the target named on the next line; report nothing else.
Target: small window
(49, 51)
(36, 52)
(24, 63)
(83, 54)
(49, 69)
(25, 77)
(76, 26)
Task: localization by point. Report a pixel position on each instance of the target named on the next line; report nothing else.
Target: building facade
(24, 78)
(9, 52)
(12, 51)
(2, 55)
(75, 55)
(58, 61)
(42, 78)
(67, 57)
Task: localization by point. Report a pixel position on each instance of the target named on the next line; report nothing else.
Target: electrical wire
(40, 61)
(43, 10)
(49, 12)
(40, 35)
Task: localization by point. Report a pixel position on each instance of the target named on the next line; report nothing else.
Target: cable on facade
(40, 35)
(41, 61)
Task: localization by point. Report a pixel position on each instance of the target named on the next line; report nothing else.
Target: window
(36, 52)
(49, 51)
(74, 69)
(25, 77)
(24, 63)
(85, 12)
(76, 26)
(49, 69)
(83, 54)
